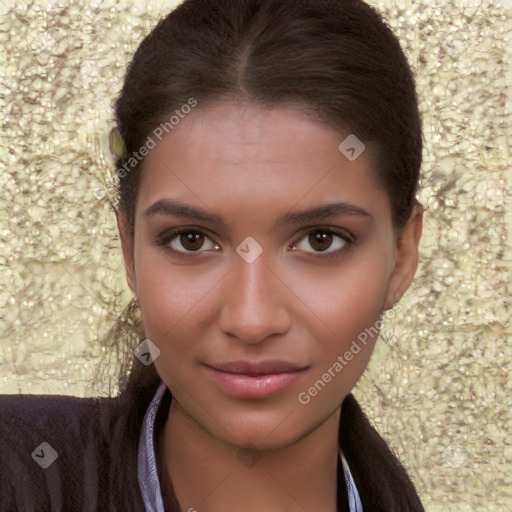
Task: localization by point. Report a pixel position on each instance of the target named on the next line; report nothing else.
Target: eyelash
(163, 240)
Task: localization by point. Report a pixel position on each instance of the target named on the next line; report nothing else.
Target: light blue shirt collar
(148, 475)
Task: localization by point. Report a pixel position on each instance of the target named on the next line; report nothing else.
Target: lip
(246, 379)
(265, 367)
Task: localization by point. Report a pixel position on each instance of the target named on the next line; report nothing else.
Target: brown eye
(191, 240)
(186, 242)
(325, 243)
(320, 240)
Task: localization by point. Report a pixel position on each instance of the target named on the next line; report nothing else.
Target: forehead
(251, 133)
(252, 154)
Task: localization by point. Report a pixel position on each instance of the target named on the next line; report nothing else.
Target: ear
(127, 248)
(407, 257)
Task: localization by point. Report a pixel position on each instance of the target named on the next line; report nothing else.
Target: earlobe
(127, 250)
(407, 257)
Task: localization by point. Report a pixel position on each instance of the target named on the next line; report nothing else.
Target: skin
(251, 164)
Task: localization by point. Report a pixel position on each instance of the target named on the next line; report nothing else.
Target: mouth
(246, 379)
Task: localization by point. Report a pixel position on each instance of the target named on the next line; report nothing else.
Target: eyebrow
(320, 212)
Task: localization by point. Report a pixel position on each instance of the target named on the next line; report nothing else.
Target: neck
(210, 475)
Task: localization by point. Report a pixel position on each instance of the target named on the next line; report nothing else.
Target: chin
(262, 431)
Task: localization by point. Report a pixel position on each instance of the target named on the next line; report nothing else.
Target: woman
(268, 156)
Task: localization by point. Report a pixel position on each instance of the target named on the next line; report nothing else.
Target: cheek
(173, 299)
(347, 309)
(342, 301)
(358, 306)
(170, 309)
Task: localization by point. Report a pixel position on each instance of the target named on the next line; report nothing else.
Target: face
(259, 295)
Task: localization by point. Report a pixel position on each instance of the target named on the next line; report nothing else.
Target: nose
(253, 302)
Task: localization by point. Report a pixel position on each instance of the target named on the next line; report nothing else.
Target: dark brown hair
(336, 58)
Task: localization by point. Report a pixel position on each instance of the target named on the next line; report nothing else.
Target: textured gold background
(438, 387)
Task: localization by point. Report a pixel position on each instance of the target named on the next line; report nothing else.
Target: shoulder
(61, 418)
(380, 478)
(39, 408)
(57, 451)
